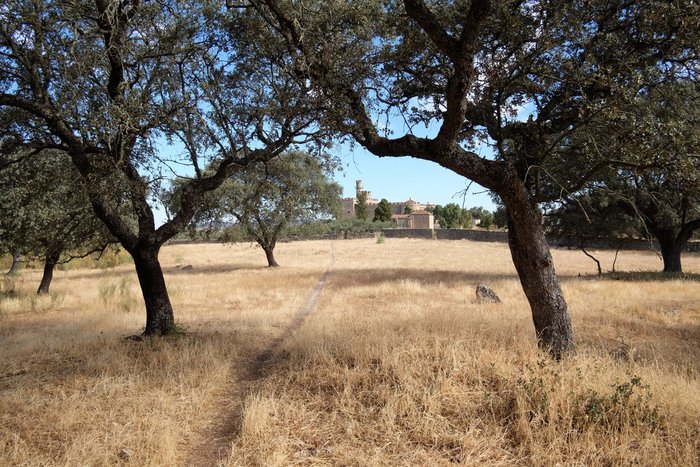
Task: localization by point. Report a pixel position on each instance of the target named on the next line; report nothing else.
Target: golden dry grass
(398, 365)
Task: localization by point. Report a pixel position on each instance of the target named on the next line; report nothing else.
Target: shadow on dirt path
(212, 448)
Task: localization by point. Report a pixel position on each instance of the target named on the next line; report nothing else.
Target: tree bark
(14, 269)
(671, 249)
(535, 267)
(52, 258)
(269, 253)
(160, 319)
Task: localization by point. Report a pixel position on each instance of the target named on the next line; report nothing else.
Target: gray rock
(187, 267)
(484, 294)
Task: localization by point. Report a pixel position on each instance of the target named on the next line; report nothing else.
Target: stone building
(415, 220)
(407, 214)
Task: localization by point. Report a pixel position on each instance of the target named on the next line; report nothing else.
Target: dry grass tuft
(398, 365)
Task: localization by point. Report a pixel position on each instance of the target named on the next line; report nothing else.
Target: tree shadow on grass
(57, 367)
(344, 278)
(645, 276)
(211, 268)
(174, 270)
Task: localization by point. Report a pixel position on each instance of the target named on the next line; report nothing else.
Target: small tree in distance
(500, 217)
(265, 198)
(486, 219)
(383, 211)
(361, 208)
(451, 216)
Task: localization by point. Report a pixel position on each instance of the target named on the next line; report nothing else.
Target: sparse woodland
(355, 352)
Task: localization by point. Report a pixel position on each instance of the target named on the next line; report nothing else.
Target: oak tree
(518, 76)
(129, 89)
(655, 187)
(46, 212)
(266, 197)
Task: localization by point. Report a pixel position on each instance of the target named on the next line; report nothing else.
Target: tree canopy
(382, 213)
(659, 197)
(451, 216)
(361, 209)
(46, 211)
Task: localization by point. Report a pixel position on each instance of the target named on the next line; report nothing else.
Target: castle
(408, 214)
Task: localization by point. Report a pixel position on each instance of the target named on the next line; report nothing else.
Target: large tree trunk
(535, 267)
(269, 253)
(671, 248)
(52, 258)
(14, 269)
(159, 312)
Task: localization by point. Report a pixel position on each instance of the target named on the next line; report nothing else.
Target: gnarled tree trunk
(672, 244)
(52, 258)
(269, 254)
(160, 319)
(671, 254)
(535, 267)
(14, 269)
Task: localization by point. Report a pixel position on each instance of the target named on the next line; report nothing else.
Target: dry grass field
(396, 365)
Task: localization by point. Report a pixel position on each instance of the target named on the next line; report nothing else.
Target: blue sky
(398, 178)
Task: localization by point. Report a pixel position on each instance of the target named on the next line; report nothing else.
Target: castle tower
(358, 188)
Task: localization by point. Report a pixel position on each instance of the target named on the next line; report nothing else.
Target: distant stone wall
(448, 234)
(408, 233)
(473, 235)
(502, 237)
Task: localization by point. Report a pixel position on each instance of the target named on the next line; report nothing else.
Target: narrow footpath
(219, 436)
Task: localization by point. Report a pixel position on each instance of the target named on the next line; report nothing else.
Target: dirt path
(214, 446)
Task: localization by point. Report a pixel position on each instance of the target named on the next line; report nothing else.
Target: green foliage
(335, 228)
(628, 404)
(486, 219)
(451, 216)
(478, 213)
(358, 225)
(46, 208)
(592, 216)
(235, 234)
(361, 210)
(500, 218)
(382, 213)
(381, 238)
(656, 191)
